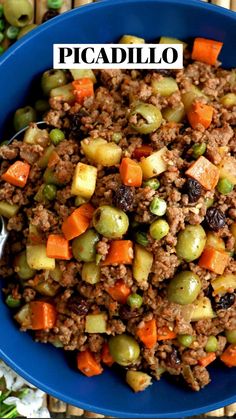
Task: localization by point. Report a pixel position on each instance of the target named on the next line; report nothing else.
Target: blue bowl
(43, 365)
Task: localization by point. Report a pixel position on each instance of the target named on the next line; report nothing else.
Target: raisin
(78, 305)
(75, 122)
(49, 15)
(123, 198)
(215, 219)
(173, 359)
(194, 190)
(126, 313)
(225, 302)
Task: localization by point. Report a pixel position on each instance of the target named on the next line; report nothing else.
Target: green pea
(159, 229)
(198, 150)
(18, 12)
(12, 302)
(52, 79)
(110, 222)
(22, 268)
(116, 137)
(12, 32)
(26, 29)
(135, 301)
(124, 349)
(186, 340)
(55, 4)
(224, 186)
(2, 36)
(212, 344)
(79, 200)
(141, 238)
(41, 106)
(184, 288)
(145, 118)
(152, 184)
(2, 49)
(50, 192)
(231, 336)
(191, 242)
(56, 136)
(158, 206)
(84, 246)
(23, 117)
(2, 25)
(209, 202)
(1, 10)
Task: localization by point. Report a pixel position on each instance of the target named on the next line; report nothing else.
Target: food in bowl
(122, 218)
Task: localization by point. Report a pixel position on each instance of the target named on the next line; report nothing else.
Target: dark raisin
(194, 190)
(123, 198)
(75, 123)
(215, 219)
(126, 313)
(224, 302)
(78, 305)
(49, 15)
(173, 359)
(166, 72)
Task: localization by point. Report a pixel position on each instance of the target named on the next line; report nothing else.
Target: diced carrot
(214, 260)
(130, 172)
(207, 360)
(120, 251)
(206, 50)
(106, 356)
(53, 159)
(164, 333)
(206, 173)
(78, 222)
(143, 151)
(43, 315)
(87, 364)
(148, 333)
(229, 356)
(200, 114)
(83, 88)
(119, 292)
(17, 174)
(58, 247)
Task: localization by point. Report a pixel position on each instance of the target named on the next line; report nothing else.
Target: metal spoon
(3, 230)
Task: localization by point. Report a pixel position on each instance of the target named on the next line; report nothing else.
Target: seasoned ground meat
(111, 277)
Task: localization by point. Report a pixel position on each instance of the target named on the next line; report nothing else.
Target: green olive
(124, 349)
(185, 340)
(52, 79)
(191, 242)
(26, 30)
(231, 336)
(184, 288)
(145, 118)
(23, 117)
(22, 268)
(18, 13)
(110, 222)
(84, 246)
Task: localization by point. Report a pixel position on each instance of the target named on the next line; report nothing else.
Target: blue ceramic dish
(103, 22)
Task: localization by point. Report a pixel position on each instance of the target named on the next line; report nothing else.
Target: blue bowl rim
(11, 51)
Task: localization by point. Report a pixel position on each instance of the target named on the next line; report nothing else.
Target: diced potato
(84, 180)
(214, 241)
(228, 169)
(202, 309)
(174, 114)
(138, 380)
(91, 273)
(37, 258)
(43, 161)
(130, 39)
(165, 86)
(99, 151)
(233, 231)
(90, 146)
(168, 40)
(80, 74)
(229, 100)
(192, 94)
(33, 134)
(154, 164)
(23, 317)
(96, 323)
(63, 93)
(35, 236)
(56, 274)
(47, 288)
(224, 284)
(8, 210)
(142, 264)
